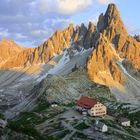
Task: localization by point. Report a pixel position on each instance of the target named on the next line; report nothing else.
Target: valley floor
(64, 122)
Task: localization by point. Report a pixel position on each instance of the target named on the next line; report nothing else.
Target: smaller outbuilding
(124, 121)
(54, 104)
(99, 126)
(3, 123)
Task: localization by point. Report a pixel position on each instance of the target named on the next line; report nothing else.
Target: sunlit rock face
(111, 23)
(8, 49)
(113, 44)
(102, 66)
(109, 39)
(54, 45)
(113, 27)
(81, 36)
(20, 60)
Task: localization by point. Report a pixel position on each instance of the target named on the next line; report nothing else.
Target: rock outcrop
(137, 37)
(111, 23)
(42, 54)
(20, 60)
(112, 45)
(55, 45)
(113, 27)
(110, 42)
(8, 49)
(102, 66)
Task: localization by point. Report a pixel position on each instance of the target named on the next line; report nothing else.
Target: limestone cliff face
(112, 45)
(113, 27)
(81, 36)
(20, 60)
(8, 49)
(60, 40)
(111, 23)
(89, 38)
(42, 54)
(137, 37)
(54, 45)
(109, 40)
(102, 66)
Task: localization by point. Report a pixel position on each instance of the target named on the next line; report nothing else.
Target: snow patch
(63, 61)
(65, 58)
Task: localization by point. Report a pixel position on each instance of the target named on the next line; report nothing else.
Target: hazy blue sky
(30, 22)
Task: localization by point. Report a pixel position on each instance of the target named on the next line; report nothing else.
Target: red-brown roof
(86, 102)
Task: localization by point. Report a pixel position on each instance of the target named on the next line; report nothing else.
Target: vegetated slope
(62, 89)
(64, 122)
(68, 88)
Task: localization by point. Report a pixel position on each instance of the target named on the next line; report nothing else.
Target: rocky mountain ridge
(8, 50)
(97, 61)
(113, 44)
(110, 42)
(55, 45)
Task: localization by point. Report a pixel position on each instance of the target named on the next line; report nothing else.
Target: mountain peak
(111, 23)
(10, 44)
(8, 49)
(7, 41)
(112, 14)
(112, 8)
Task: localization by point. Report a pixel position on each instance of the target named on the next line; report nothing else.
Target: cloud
(20, 36)
(38, 33)
(64, 7)
(4, 33)
(35, 20)
(22, 21)
(105, 2)
(133, 30)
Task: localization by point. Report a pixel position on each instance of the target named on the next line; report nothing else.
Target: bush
(1, 116)
(28, 130)
(81, 126)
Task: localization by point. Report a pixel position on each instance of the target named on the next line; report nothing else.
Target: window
(103, 112)
(97, 112)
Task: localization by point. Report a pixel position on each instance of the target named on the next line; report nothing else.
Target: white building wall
(98, 110)
(79, 108)
(126, 123)
(105, 128)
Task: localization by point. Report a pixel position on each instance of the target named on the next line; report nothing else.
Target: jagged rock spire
(89, 38)
(113, 43)
(111, 23)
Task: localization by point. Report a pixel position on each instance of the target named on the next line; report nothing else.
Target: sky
(31, 22)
